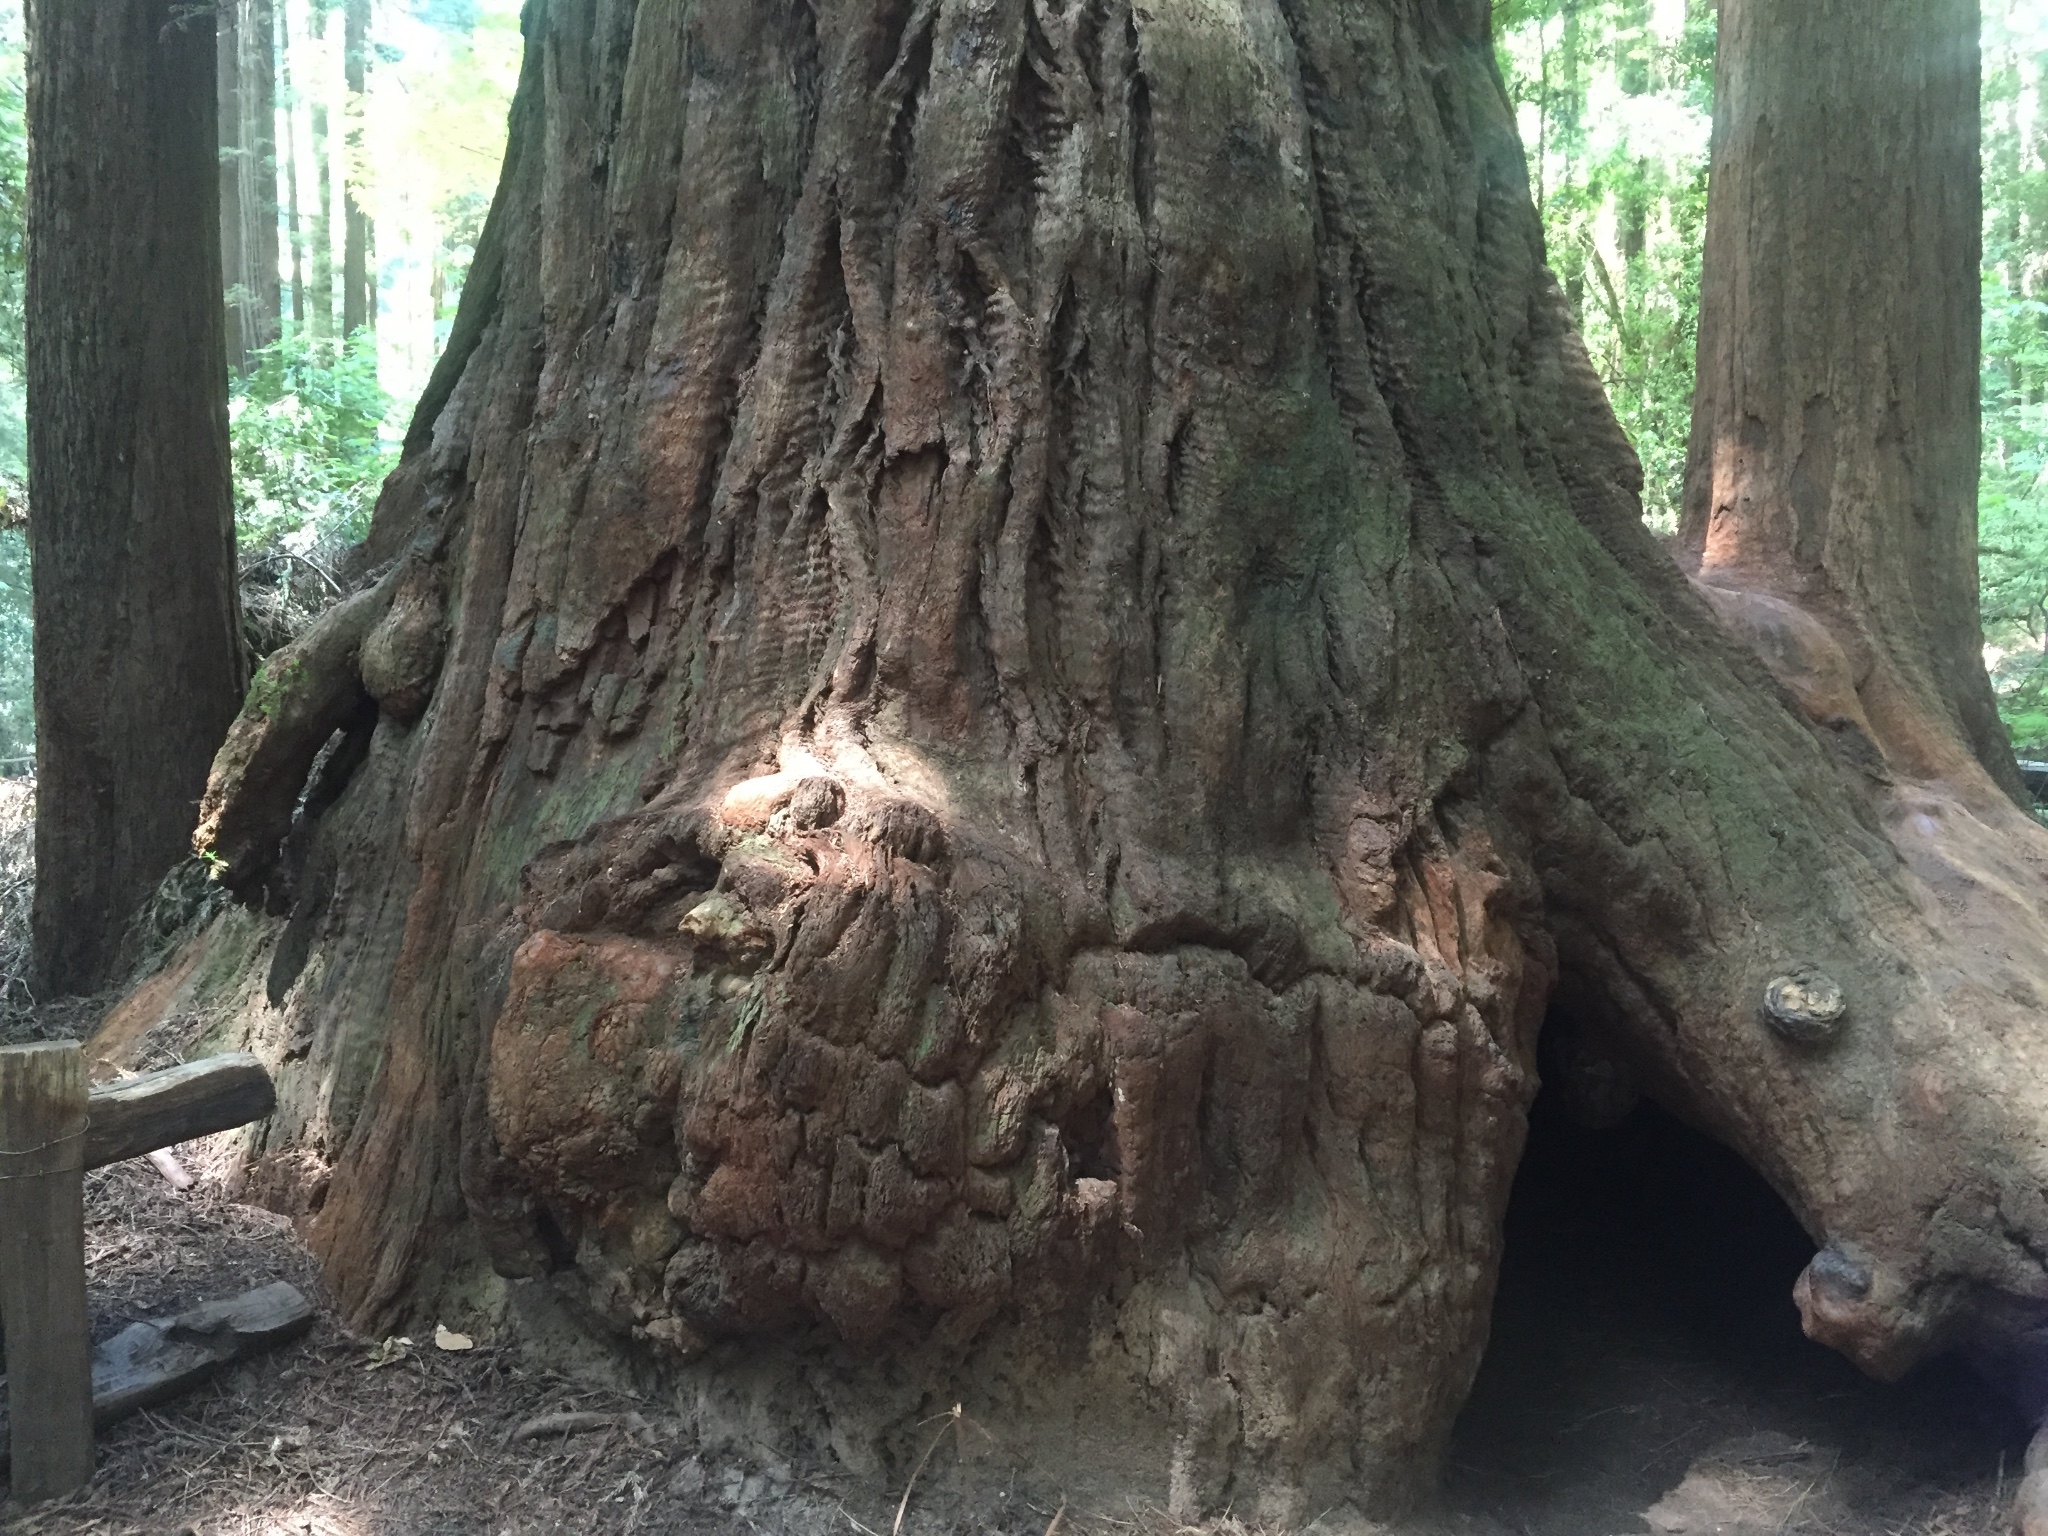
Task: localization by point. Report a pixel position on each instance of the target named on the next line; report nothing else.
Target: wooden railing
(53, 1127)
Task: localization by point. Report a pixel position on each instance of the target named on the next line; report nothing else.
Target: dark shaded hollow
(1645, 1319)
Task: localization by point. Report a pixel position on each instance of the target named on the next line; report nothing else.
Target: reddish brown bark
(1835, 442)
(247, 68)
(1832, 524)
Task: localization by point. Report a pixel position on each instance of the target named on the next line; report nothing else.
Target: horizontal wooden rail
(160, 1109)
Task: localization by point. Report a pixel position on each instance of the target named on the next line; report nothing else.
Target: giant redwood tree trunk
(1012, 654)
(138, 650)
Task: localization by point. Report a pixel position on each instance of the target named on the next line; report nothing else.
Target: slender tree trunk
(234, 180)
(259, 205)
(1013, 653)
(1835, 433)
(138, 659)
(1831, 522)
(248, 178)
(293, 229)
(322, 309)
(357, 293)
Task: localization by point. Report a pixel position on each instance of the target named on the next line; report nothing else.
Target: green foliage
(431, 146)
(1614, 99)
(449, 15)
(13, 226)
(17, 676)
(308, 459)
(461, 217)
(305, 426)
(273, 684)
(2012, 498)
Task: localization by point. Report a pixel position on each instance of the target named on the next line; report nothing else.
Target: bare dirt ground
(1646, 1376)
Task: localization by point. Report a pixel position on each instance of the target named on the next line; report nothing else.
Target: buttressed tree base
(1012, 656)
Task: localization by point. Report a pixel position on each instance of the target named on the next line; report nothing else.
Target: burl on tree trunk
(1012, 655)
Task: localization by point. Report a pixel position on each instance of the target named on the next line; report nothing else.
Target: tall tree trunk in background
(1011, 655)
(294, 231)
(1831, 521)
(248, 178)
(138, 658)
(259, 205)
(234, 252)
(1835, 433)
(358, 294)
(318, 88)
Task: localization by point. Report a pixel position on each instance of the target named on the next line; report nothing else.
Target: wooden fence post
(43, 1099)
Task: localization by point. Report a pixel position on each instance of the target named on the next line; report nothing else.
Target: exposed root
(301, 696)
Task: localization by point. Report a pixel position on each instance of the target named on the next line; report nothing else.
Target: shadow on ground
(1647, 1372)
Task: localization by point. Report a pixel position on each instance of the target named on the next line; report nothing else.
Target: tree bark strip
(293, 231)
(358, 283)
(1835, 438)
(248, 178)
(320, 94)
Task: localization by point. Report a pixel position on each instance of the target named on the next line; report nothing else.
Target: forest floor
(1646, 1375)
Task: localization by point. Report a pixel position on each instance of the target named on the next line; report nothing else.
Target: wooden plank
(147, 1363)
(160, 1109)
(42, 1265)
(151, 1362)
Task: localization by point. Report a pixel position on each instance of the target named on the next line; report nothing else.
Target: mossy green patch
(273, 685)
(748, 1016)
(531, 812)
(239, 935)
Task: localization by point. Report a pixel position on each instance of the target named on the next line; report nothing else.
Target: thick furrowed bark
(1835, 443)
(1049, 652)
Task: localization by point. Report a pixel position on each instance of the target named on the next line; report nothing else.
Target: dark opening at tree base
(1646, 1360)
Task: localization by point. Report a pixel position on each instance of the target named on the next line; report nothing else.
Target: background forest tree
(315, 416)
(1615, 103)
